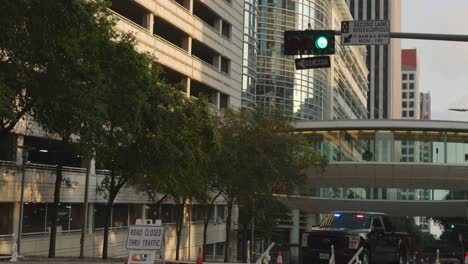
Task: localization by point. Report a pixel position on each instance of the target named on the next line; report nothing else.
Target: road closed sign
(145, 237)
(365, 32)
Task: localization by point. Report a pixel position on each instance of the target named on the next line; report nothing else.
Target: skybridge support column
(294, 240)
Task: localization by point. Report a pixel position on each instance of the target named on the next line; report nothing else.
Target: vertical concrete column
(189, 4)
(189, 45)
(189, 83)
(311, 220)
(150, 22)
(19, 149)
(217, 62)
(218, 100)
(15, 219)
(90, 226)
(218, 24)
(294, 236)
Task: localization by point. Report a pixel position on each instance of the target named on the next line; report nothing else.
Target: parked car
(348, 231)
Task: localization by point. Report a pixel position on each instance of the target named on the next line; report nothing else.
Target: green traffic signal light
(452, 226)
(321, 42)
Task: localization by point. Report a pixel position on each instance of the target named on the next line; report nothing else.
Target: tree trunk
(228, 230)
(179, 225)
(107, 224)
(113, 190)
(53, 227)
(206, 221)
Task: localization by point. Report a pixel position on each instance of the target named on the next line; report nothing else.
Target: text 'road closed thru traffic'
(145, 237)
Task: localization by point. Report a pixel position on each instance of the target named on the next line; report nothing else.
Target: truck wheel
(365, 257)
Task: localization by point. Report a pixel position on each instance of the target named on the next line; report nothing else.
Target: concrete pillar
(19, 149)
(294, 239)
(150, 22)
(90, 226)
(217, 62)
(188, 86)
(189, 45)
(312, 220)
(15, 219)
(185, 44)
(189, 4)
(218, 24)
(218, 100)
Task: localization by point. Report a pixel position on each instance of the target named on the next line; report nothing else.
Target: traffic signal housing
(452, 226)
(309, 42)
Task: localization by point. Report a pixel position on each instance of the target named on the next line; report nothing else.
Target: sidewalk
(67, 260)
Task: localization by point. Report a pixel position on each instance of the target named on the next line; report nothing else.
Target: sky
(443, 65)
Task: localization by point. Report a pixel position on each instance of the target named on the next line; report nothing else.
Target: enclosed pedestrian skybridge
(389, 165)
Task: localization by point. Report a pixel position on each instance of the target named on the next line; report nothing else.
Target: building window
(404, 159)
(226, 30)
(210, 250)
(411, 76)
(404, 114)
(219, 250)
(6, 218)
(405, 77)
(197, 213)
(411, 95)
(225, 65)
(411, 159)
(134, 212)
(404, 151)
(411, 151)
(167, 213)
(99, 213)
(411, 113)
(411, 86)
(405, 95)
(120, 215)
(411, 104)
(220, 209)
(404, 104)
(63, 216)
(405, 86)
(34, 217)
(75, 216)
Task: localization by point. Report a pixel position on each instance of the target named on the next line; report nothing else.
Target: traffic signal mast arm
(424, 36)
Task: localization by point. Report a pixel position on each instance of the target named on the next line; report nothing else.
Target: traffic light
(308, 42)
(452, 226)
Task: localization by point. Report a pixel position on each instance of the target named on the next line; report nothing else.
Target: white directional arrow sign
(312, 63)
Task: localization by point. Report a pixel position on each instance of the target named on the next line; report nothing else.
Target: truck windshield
(346, 220)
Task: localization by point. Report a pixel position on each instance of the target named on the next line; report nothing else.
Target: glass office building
(298, 94)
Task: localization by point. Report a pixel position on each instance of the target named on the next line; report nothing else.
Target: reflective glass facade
(389, 194)
(250, 50)
(299, 94)
(422, 146)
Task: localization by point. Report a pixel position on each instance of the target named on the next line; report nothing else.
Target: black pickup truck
(348, 232)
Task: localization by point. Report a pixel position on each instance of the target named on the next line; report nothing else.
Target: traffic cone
(466, 258)
(279, 259)
(199, 257)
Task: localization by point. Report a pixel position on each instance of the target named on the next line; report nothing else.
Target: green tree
(179, 135)
(118, 143)
(419, 239)
(54, 72)
(259, 154)
(46, 52)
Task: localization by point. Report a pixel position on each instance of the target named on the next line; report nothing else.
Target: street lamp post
(23, 174)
